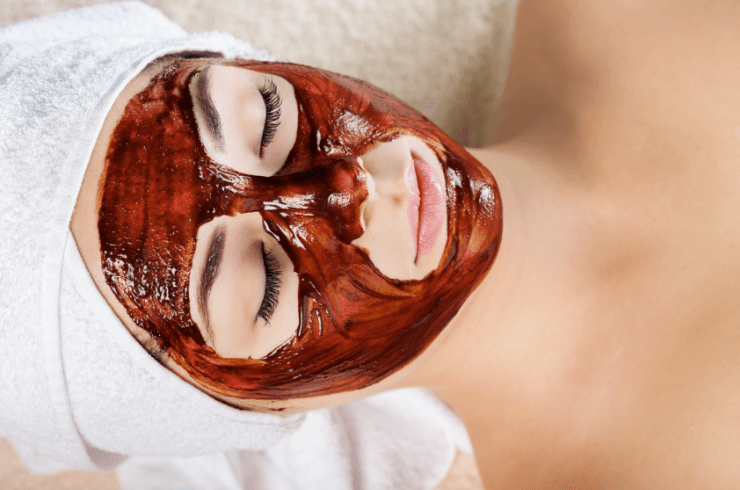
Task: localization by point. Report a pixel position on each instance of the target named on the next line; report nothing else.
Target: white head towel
(77, 390)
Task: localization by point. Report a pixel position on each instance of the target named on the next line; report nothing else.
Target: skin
(601, 349)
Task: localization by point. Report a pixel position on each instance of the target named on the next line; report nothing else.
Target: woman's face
(243, 287)
(286, 232)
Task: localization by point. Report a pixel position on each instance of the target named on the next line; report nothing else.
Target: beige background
(447, 58)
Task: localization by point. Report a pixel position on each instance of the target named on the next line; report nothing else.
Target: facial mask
(356, 325)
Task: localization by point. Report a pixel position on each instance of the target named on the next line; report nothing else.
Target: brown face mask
(356, 326)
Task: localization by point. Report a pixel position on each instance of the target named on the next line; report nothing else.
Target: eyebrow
(213, 120)
(210, 272)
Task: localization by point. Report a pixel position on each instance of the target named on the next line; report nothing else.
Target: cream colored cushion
(447, 58)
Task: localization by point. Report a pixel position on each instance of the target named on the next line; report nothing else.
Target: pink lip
(426, 208)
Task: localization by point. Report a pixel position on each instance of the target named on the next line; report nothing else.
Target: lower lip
(426, 208)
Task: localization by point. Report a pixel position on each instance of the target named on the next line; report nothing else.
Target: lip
(426, 205)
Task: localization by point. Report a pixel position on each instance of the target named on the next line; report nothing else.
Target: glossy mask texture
(356, 325)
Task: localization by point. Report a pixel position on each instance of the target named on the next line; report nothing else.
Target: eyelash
(272, 286)
(270, 95)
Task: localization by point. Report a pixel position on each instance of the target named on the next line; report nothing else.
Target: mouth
(426, 207)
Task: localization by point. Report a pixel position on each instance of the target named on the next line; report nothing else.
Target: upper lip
(426, 202)
(414, 203)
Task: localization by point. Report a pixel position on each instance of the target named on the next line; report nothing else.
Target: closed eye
(273, 102)
(272, 285)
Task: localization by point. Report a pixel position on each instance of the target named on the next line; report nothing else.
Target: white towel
(77, 390)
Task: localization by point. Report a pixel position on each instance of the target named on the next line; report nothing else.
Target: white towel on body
(77, 390)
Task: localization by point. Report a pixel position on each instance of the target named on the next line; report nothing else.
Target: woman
(599, 349)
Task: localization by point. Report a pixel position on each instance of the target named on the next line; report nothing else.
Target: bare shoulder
(577, 60)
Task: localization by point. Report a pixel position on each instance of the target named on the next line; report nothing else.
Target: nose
(387, 166)
(335, 190)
